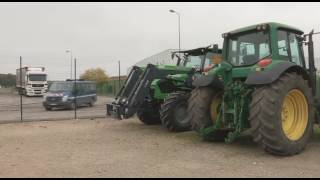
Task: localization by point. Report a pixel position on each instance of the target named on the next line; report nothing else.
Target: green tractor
(264, 85)
(158, 94)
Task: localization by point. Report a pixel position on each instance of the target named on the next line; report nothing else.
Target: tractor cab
(256, 49)
(198, 58)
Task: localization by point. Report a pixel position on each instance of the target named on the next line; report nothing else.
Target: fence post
(76, 89)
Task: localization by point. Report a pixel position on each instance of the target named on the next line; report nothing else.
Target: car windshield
(249, 48)
(61, 86)
(37, 77)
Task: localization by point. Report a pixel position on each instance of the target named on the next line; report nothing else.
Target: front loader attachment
(116, 107)
(136, 91)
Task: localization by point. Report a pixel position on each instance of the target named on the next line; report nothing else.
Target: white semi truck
(33, 81)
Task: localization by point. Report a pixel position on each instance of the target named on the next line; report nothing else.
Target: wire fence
(15, 107)
(33, 109)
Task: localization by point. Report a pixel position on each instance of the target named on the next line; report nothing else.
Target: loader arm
(136, 90)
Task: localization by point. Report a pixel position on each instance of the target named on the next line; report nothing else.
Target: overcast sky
(100, 34)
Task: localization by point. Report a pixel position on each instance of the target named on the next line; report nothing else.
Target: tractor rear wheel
(203, 108)
(149, 114)
(282, 115)
(173, 112)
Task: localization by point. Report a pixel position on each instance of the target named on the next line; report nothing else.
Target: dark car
(62, 94)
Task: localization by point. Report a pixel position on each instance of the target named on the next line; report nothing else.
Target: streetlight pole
(71, 58)
(173, 11)
(119, 75)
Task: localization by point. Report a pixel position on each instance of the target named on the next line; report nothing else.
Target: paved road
(33, 109)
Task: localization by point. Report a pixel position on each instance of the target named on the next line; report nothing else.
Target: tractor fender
(271, 75)
(208, 80)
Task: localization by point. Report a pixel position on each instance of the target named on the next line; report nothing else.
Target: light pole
(173, 11)
(119, 75)
(70, 51)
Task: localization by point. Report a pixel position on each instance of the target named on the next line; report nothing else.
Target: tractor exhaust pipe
(312, 68)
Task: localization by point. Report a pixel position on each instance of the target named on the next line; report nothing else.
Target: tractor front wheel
(149, 114)
(282, 115)
(203, 108)
(173, 112)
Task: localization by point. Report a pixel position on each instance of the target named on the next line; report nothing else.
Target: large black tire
(199, 112)
(174, 112)
(266, 115)
(149, 114)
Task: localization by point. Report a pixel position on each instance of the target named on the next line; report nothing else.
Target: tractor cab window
(288, 47)
(295, 49)
(193, 61)
(208, 59)
(283, 45)
(249, 48)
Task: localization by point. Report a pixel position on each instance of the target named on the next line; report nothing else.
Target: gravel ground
(110, 148)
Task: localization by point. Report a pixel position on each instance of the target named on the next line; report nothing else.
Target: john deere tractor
(262, 84)
(159, 93)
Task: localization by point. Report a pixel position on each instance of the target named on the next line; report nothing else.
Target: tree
(98, 75)
(7, 80)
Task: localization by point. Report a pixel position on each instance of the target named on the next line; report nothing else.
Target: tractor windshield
(247, 49)
(195, 61)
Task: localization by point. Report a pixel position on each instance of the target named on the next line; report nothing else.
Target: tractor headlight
(65, 98)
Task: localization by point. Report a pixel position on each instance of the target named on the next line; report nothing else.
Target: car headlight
(65, 98)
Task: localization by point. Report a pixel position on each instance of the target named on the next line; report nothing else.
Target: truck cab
(32, 81)
(36, 83)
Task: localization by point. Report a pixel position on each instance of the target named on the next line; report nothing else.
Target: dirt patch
(109, 148)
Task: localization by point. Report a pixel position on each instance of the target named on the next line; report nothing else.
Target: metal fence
(32, 109)
(19, 108)
(111, 88)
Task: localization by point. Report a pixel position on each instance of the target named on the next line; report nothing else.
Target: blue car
(63, 94)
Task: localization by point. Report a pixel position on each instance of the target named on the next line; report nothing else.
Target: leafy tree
(7, 80)
(98, 75)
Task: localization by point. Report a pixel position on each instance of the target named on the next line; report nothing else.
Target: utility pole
(71, 59)
(21, 109)
(119, 75)
(173, 11)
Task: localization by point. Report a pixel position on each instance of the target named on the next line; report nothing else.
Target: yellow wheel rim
(215, 107)
(294, 115)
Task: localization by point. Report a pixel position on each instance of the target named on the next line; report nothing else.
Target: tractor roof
(272, 25)
(198, 51)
